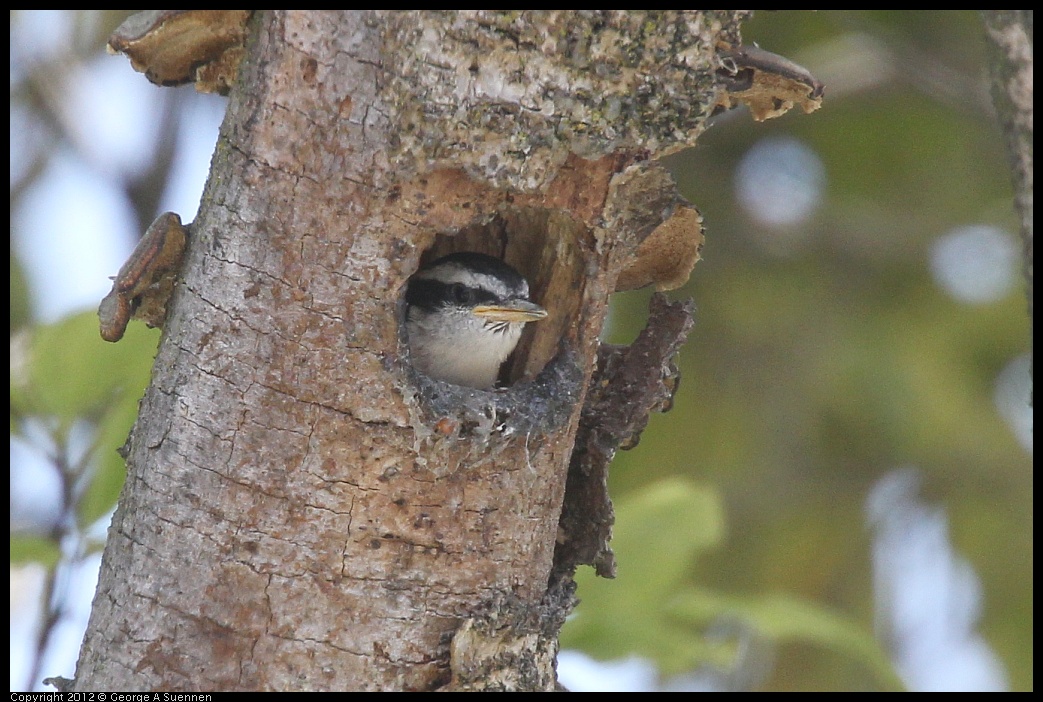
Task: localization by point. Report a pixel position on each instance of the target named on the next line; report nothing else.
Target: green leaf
(31, 548)
(653, 610)
(67, 372)
(72, 373)
(20, 393)
(110, 470)
(780, 618)
(18, 303)
(661, 530)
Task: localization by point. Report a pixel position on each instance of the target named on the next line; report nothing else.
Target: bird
(464, 315)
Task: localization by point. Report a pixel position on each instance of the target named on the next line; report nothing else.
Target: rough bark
(1009, 33)
(304, 511)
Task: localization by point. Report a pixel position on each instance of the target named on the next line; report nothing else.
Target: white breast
(462, 351)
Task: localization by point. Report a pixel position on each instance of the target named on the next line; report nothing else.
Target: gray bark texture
(1009, 34)
(304, 511)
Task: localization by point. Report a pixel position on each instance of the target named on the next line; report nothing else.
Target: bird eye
(463, 294)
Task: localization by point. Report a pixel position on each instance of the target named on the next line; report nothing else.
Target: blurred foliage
(670, 524)
(27, 548)
(63, 374)
(73, 401)
(651, 609)
(19, 299)
(824, 356)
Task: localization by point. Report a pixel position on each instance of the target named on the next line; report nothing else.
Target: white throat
(461, 350)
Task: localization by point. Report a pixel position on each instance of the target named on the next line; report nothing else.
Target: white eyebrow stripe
(452, 272)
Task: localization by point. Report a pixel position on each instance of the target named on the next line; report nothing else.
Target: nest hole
(545, 246)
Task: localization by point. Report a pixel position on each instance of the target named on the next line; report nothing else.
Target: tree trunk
(1009, 35)
(302, 509)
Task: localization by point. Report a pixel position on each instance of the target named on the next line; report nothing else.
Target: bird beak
(512, 311)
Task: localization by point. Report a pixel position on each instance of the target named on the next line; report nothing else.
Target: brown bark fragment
(172, 47)
(630, 383)
(145, 281)
(769, 84)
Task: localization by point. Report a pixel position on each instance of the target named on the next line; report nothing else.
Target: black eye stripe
(462, 294)
(430, 294)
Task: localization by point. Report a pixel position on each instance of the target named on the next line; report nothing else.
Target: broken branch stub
(769, 84)
(173, 47)
(145, 282)
(630, 383)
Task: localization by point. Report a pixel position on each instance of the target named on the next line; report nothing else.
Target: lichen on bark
(540, 85)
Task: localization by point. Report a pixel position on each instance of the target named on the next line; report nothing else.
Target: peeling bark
(630, 383)
(302, 509)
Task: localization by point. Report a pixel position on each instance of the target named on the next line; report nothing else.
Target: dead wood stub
(630, 382)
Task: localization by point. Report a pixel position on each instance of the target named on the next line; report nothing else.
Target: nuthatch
(466, 312)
